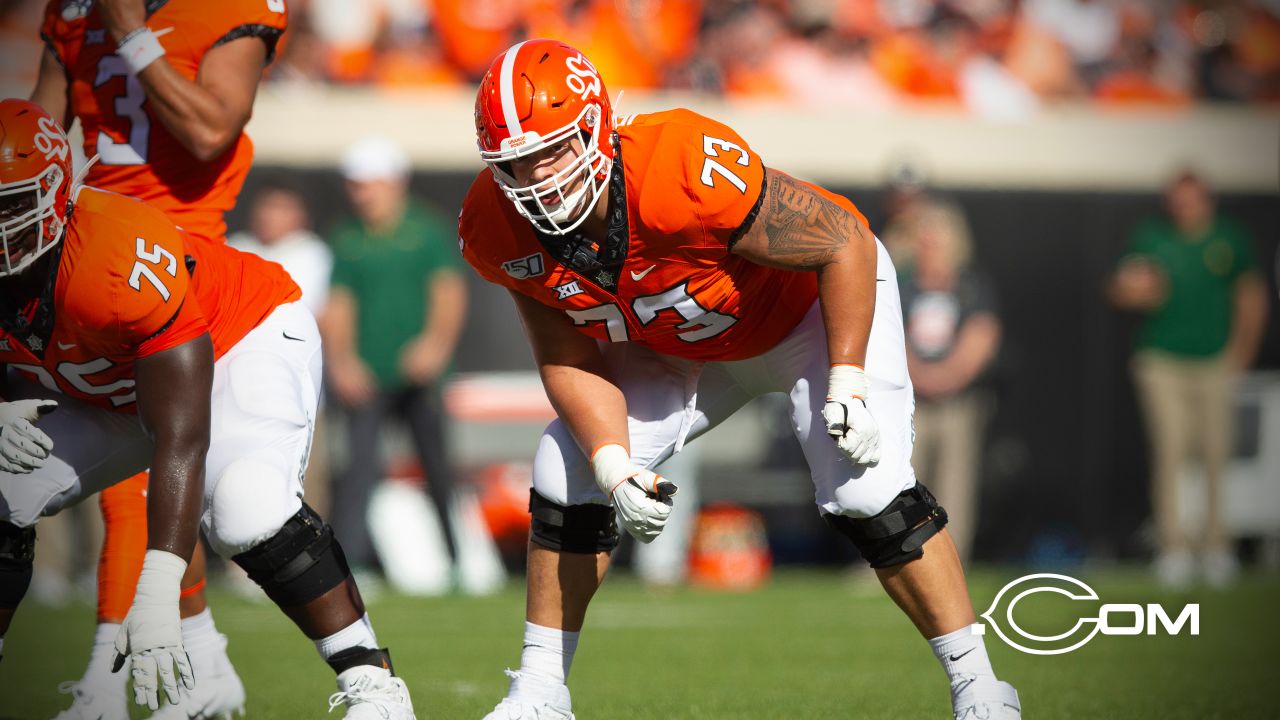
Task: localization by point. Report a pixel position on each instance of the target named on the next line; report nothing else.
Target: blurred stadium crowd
(991, 56)
(996, 57)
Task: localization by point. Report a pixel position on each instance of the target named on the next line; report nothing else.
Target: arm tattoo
(804, 228)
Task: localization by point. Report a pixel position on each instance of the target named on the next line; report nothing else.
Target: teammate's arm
(575, 377)
(174, 387)
(50, 91)
(797, 228)
(206, 115)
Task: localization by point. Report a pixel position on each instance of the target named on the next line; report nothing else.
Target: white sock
(357, 634)
(1, 645)
(548, 652)
(103, 655)
(963, 652)
(202, 641)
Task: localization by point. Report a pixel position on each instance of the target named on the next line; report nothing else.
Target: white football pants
(265, 392)
(670, 399)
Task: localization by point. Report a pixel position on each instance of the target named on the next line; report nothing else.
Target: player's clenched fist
(23, 446)
(849, 422)
(151, 634)
(641, 497)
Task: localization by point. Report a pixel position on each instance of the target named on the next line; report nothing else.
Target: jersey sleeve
(479, 231)
(155, 303)
(234, 19)
(723, 176)
(53, 30)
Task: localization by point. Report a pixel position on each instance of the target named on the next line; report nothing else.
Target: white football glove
(641, 497)
(849, 422)
(23, 446)
(151, 634)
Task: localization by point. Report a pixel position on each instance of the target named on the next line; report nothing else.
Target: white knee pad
(250, 502)
(561, 473)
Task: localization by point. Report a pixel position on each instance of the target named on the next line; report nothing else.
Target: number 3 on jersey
(129, 107)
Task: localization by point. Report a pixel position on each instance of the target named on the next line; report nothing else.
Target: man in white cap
(396, 307)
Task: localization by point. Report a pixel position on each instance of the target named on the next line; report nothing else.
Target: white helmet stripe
(505, 81)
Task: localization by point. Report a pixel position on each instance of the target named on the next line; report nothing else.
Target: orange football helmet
(535, 95)
(35, 183)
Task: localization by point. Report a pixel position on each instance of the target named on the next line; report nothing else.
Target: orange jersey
(139, 157)
(690, 184)
(130, 284)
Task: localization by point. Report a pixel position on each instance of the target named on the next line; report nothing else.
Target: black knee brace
(298, 564)
(17, 553)
(572, 528)
(899, 532)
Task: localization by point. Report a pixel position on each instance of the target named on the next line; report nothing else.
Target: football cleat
(95, 701)
(976, 697)
(372, 693)
(529, 698)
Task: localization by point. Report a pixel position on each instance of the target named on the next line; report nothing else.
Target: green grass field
(810, 645)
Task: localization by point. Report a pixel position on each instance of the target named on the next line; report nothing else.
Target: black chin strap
(598, 264)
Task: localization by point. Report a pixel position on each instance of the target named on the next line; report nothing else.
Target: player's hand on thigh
(641, 497)
(151, 634)
(849, 422)
(23, 446)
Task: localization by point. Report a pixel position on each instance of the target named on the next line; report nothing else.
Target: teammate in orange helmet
(128, 345)
(162, 91)
(666, 276)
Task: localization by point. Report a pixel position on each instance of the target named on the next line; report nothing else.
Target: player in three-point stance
(162, 91)
(665, 277)
(126, 346)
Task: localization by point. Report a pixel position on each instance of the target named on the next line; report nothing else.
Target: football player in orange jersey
(183, 356)
(163, 91)
(665, 276)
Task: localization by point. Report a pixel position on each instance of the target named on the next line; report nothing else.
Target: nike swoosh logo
(160, 33)
(287, 336)
(65, 346)
(638, 276)
(957, 657)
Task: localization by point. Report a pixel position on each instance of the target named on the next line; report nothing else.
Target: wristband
(161, 578)
(139, 49)
(612, 465)
(846, 381)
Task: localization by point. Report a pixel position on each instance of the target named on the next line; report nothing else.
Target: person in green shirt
(396, 307)
(1193, 277)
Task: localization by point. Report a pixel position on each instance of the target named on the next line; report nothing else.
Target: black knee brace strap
(298, 564)
(17, 553)
(898, 534)
(572, 528)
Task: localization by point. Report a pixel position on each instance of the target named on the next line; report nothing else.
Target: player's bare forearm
(50, 91)
(207, 115)
(174, 387)
(575, 377)
(798, 228)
